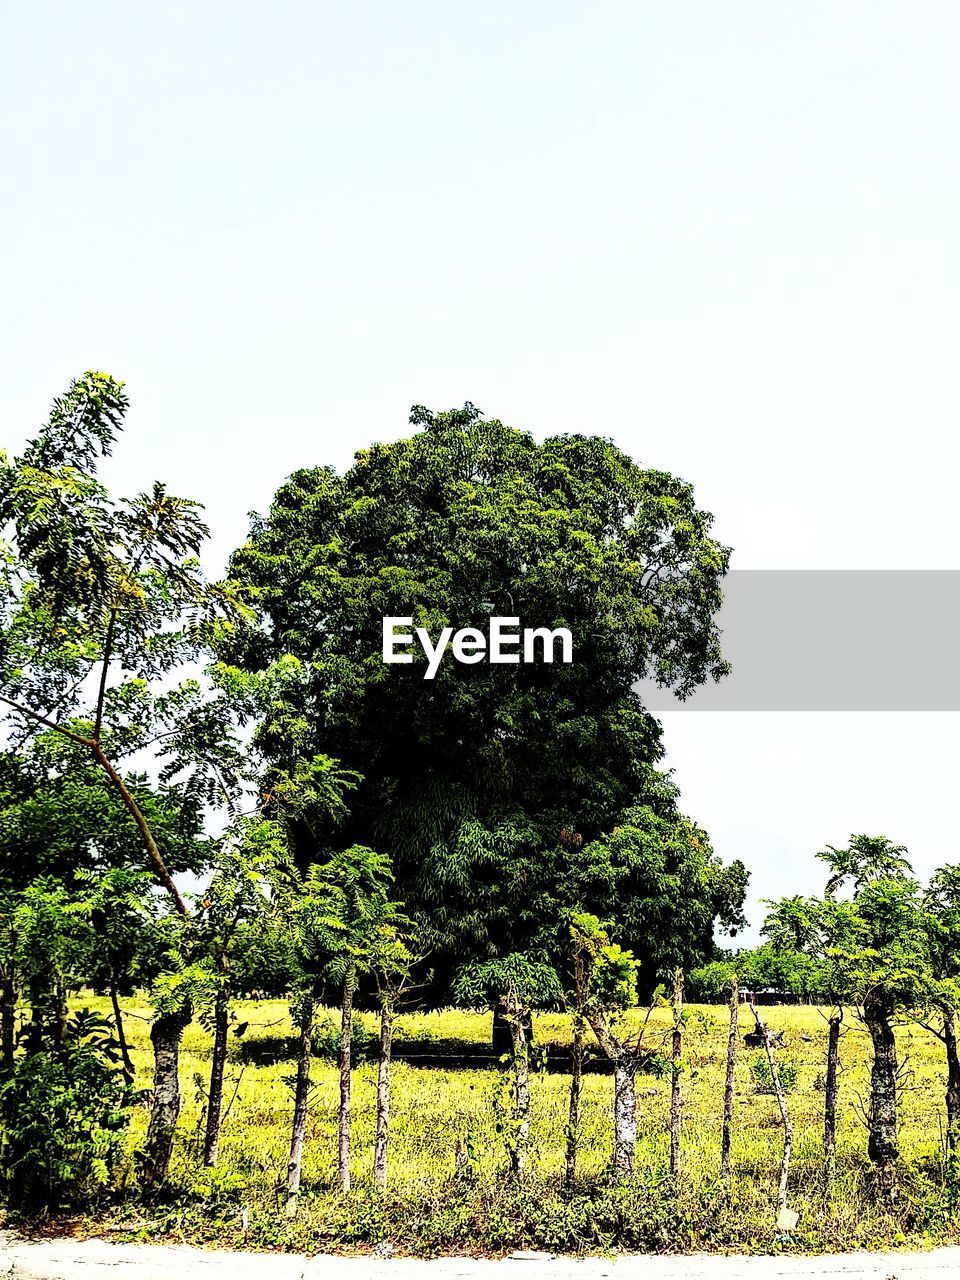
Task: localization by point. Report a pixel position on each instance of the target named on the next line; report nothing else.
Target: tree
(360, 880)
(102, 602)
(942, 902)
(236, 902)
(878, 953)
(481, 780)
(392, 967)
(55, 945)
(122, 918)
(342, 924)
(516, 984)
(611, 989)
(670, 888)
(61, 817)
(812, 929)
(863, 859)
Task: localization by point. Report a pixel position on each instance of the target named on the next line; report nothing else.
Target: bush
(326, 1040)
(763, 1079)
(63, 1118)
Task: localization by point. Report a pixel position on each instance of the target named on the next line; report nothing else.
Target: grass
(449, 1191)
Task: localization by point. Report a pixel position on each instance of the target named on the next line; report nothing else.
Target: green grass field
(434, 1205)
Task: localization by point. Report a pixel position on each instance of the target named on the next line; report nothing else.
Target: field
(448, 1187)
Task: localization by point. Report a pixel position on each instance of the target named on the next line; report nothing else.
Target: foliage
(670, 888)
(482, 784)
(763, 1076)
(430, 1207)
(102, 604)
(610, 972)
(865, 858)
(762, 968)
(531, 982)
(65, 1112)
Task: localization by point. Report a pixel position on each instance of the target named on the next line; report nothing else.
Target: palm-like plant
(794, 924)
(866, 858)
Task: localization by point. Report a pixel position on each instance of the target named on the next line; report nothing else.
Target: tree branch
(102, 691)
(159, 866)
(49, 724)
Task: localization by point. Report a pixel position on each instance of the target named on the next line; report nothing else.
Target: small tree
(237, 900)
(811, 928)
(942, 901)
(65, 1112)
(880, 954)
(123, 917)
(517, 984)
(342, 925)
(611, 989)
(392, 968)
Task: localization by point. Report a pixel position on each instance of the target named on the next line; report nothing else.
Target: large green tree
(483, 781)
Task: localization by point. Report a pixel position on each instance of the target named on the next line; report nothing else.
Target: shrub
(63, 1118)
(326, 1040)
(763, 1079)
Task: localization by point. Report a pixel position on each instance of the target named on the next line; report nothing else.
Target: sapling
(611, 989)
(232, 916)
(517, 983)
(880, 961)
(342, 923)
(392, 971)
(942, 902)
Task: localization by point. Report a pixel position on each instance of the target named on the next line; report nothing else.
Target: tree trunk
(383, 1093)
(953, 1087)
(301, 1098)
(883, 1146)
(502, 1035)
(675, 1054)
(784, 1113)
(221, 1026)
(733, 1035)
(165, 1035)
(521, 1105)
(624, 1113)
(576, 1084)
(8, 1017)
(830, 1101)
(121, 1034)
(346, 1029)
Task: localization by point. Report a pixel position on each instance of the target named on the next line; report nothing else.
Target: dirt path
(97, 1260)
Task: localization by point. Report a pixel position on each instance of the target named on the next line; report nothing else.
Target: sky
(722, 235)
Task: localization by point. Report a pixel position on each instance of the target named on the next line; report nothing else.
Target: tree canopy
(483, 782)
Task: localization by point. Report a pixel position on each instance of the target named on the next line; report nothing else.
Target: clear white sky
(724, 235)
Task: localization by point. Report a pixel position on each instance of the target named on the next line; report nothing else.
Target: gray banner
(834, 640)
